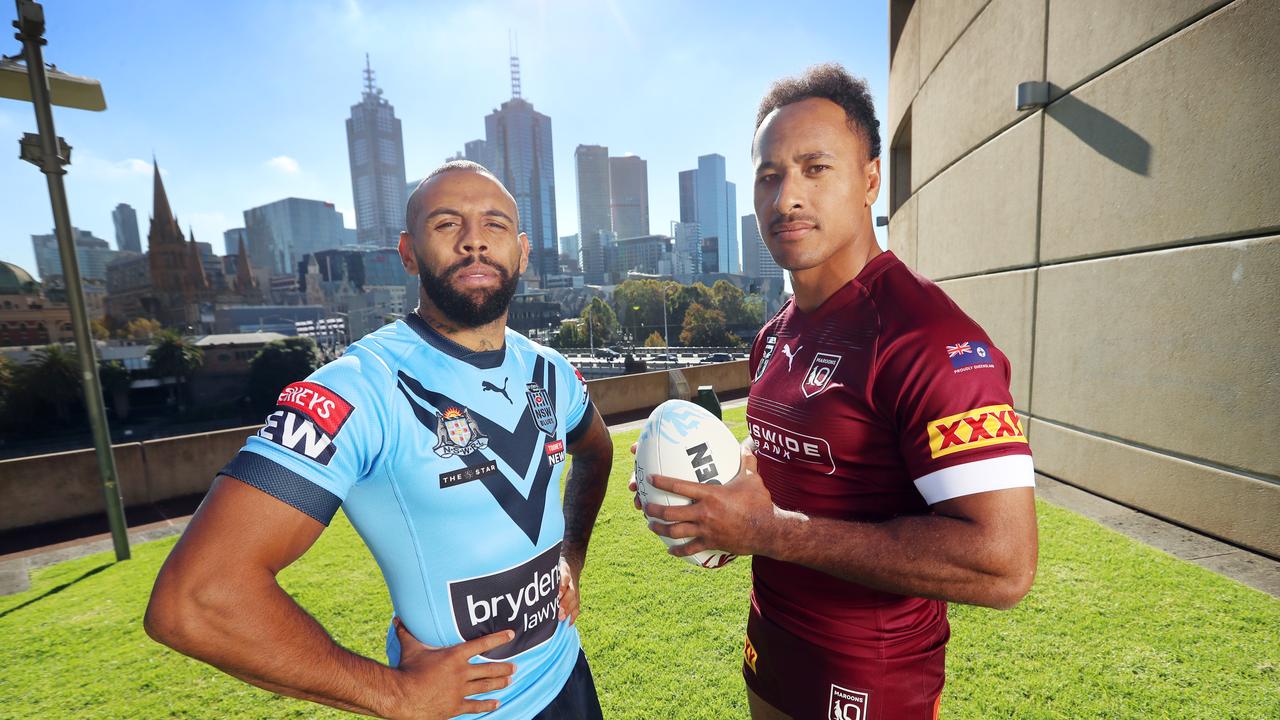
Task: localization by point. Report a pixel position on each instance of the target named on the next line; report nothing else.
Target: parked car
(605, 353)
(664, 357)
(716, 358)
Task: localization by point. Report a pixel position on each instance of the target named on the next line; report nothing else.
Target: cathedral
(178, 282)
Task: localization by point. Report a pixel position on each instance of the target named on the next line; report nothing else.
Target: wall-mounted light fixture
(1032, 94)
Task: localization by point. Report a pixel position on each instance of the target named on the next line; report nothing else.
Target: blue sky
(244, 103)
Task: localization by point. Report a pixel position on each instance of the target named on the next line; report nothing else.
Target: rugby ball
(686, 442)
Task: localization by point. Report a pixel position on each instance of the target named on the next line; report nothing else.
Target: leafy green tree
(705, 327)
(655, 340)
(755, 307)
(173, 356)
(277, 364)
(115, 380)
(99, 330)
(52, 379)
(601, 322)
(729, 299)
(682, 298)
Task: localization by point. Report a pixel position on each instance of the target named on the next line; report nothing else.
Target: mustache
(792, 218)
(472, 260)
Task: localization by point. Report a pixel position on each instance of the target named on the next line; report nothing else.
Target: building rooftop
(249, 338)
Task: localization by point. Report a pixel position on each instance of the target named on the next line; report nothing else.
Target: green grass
(1112, 629)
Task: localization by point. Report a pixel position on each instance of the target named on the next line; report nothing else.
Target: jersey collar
(482, 359)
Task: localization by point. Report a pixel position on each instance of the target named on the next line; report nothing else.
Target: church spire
(161, 213)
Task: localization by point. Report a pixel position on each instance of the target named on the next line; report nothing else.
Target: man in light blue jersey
(441, 436)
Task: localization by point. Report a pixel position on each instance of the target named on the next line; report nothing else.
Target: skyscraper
(518, 142)
(93, 254)
(688, 196)
(687, 248)
(375, 147)
(126, 222)
(756, 260)
(717, 211)
(279, 234)
(629, 196)
(231, 240)
(591, 163)
(477, 151)
(571, 246)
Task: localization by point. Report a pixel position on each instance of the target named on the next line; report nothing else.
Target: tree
(277, 364)
(141, 328)
(683, 298)
(115, 380)
(755, 307)
(173, 356)
(601, 323)
(572, 334)
(705, 327)
(728, 299)
(50, 379)
(655, 340)
(99, 330)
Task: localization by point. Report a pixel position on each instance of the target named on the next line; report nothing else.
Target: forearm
(251, 629)
(933, 556)
(583, 495)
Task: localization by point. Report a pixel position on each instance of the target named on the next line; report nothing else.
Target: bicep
(595, 443)
(239, 528)
(1005, 520)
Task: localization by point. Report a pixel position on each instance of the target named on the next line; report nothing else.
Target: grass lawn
(1112, 629)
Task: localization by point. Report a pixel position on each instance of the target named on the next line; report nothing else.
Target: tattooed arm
(583, 494)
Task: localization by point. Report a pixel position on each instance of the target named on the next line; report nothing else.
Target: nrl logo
(457, 434)
(544, 416)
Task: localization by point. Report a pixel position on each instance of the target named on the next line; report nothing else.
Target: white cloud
(89, 166)
(284, 164)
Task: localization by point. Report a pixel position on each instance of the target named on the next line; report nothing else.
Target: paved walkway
(1250, 568)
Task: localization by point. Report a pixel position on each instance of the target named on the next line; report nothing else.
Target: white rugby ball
(686, 442)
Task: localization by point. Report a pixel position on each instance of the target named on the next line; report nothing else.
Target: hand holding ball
(684, 441)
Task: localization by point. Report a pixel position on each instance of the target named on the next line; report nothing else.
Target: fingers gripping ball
(684, 441)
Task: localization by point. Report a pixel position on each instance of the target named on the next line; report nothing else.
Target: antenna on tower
(369, 87)
(515, 64)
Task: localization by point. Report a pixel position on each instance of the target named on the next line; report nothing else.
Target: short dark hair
(829, 81)
(412, 209)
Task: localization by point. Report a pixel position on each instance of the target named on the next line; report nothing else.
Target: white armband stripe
(999, 473)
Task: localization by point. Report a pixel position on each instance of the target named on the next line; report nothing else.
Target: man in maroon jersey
(890, 473)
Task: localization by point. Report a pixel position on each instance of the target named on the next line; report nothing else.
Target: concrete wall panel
(1237, 508)
(941, 23)
(1002, 305)
(1176, 144)
(902, 232)
(186, 464)
(905, 78)
(45, 488)
(980, 214)
(970, 95)
(1175, 349)
(1086, 36)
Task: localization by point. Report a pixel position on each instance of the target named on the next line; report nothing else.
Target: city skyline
(284, 136)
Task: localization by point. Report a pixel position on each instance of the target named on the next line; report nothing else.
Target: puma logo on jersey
(786, 350)
(486, 386)
(291, 429)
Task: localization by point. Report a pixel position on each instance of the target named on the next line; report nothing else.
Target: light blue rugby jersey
(447, 461)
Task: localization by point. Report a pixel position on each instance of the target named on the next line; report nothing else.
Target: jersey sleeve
(578, 410)
(946, 389)
(323, 437)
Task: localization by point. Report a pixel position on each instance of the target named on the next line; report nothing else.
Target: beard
(468, 309)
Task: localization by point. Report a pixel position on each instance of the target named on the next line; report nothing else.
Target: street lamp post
(49, 152)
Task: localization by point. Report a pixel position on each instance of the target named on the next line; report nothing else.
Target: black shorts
(577, 699)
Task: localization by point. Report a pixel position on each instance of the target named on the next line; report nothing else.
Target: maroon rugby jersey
(881, 401)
